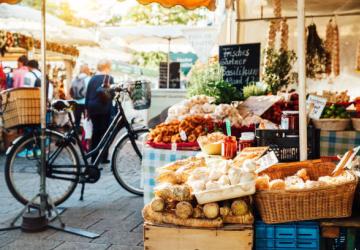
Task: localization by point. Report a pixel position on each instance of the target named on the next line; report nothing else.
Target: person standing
(34, 76)
(18, 74)
(78, 92)
(98, 105)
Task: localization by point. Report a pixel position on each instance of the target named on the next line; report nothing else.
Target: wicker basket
(21, 106)
(278, 206)
(332, 124)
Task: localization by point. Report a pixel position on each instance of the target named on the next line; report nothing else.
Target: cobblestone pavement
(107, 209)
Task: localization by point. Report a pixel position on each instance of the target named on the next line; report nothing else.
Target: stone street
(107, 209)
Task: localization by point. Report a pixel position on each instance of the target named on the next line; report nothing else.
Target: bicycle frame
(119, 122)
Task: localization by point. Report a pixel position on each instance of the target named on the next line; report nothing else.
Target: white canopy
(149, 38)
(17, 18)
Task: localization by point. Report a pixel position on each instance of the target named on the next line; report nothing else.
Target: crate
(285, 143)
(21, 106)
(165, 237)
(304, 235)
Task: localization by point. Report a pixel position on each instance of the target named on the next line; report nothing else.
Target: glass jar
(290, 120)
(246, 140)
(229, 147)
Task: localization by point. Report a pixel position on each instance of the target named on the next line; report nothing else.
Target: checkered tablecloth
(155, 158)
(333, 143)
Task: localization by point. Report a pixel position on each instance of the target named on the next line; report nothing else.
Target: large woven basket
(278, 206)
(21, 106)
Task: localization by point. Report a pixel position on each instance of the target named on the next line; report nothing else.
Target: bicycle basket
(21, 106)
(140, 94)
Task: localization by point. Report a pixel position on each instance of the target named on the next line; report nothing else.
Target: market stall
(61, 60)
(254, 144)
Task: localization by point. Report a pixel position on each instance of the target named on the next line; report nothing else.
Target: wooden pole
(302, 78)
(238, 24)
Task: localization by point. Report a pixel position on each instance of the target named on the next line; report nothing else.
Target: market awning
(10, 1)
(188, 4)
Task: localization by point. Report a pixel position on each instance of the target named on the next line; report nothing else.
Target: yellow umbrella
(188, 4)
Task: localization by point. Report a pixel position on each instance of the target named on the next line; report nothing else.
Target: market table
(333, 143)
(155, 158)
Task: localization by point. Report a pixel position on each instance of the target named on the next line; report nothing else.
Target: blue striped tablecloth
(155, 158)
(333, 143)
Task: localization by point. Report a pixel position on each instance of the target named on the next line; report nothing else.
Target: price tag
(267, 161)
(257, 105)
(173, 146)
(315, 106)
(183, 135)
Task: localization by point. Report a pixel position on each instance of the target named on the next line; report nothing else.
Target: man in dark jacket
(98, 109)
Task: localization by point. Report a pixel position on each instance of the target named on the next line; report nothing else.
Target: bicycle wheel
(126, 163)
(22, 168)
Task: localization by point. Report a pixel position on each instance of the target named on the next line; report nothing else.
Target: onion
(157, 204)
(211, 210)
(183, 210)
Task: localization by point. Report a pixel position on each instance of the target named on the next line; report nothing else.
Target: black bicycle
(64, 170)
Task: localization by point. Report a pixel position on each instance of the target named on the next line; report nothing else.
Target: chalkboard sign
(241, 63)
(174, 82)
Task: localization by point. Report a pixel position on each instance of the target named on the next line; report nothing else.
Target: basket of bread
(304, 191)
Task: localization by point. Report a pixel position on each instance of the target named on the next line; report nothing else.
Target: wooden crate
(165, 237)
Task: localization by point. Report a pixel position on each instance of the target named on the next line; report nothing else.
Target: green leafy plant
(278, 69)
(208, 80)
(255, 89)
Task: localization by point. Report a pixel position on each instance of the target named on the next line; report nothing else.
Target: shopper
(20, 72)
(78, 92)
(33, 78)
(2, 78)
(98, 104)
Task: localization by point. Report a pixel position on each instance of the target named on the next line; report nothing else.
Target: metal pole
(43, 198)
(168, 65)
(354, 13)
(302, 79)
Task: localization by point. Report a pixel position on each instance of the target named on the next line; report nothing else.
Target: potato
(211, 210)
(183, 210)
(157, 204)
(225, 211)
(239, 207)
(198, 212)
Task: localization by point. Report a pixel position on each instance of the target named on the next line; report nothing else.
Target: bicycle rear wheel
(126, 163)
(22, 168)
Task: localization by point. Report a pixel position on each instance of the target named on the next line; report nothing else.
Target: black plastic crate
(285, 143)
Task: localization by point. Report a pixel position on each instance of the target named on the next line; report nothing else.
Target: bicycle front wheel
(22, 168)
(126, 162)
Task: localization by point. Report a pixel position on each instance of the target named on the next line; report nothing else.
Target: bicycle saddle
(63, 104)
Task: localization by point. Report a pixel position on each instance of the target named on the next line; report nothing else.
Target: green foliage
(150, 60)
(254, 89)
(279, 68)
(155, 14)
(208, 80)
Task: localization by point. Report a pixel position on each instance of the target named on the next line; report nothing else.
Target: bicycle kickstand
(82, 191)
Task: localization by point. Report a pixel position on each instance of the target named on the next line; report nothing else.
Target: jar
(229, 147)
(246, 140)
(290, 120)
